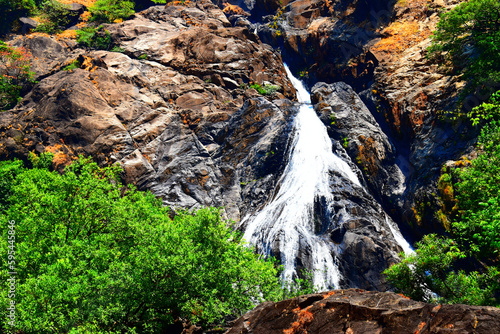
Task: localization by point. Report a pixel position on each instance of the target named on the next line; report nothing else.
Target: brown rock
(357, 311)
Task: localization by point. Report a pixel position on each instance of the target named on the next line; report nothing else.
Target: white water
(408, 250)
(288, 218)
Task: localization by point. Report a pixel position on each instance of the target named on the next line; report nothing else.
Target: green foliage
(117, 49)
(345, 142)
(462, 268)
(55, 17)
(93, 256)
(469, 36)
(143, 56)
(333, 118)
(74, 65)
(107, 11)
(266, 89)
(478, 195)
(11, 10)
(15, 73)
(94, 38)
(489, 110)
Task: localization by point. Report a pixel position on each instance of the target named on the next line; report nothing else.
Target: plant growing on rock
(266, 89)
(105, 11)
(463, 267)
(55, 17)
(15, 73)
(11, 10)
(469, 37)
(94, 38)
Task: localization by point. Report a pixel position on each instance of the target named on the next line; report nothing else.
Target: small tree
(104, 11)
(15, 73)
(469, 36)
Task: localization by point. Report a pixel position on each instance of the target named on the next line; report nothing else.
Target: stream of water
(286, 222)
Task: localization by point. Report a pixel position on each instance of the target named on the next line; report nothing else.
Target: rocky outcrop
(176, 109)
(182, 120)
(380, 49)
(350, 122)
(357, 311)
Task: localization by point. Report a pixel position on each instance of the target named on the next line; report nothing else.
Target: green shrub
(469, 36)
(95, 256)
(94, 38)
(266, 89)
(105, 11)
(55, 16)
(15, 73)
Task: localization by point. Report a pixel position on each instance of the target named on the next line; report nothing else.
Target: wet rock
(351, 123)
(358, 311)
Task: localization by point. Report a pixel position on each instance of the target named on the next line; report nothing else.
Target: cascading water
(287, 221)
(408, 250)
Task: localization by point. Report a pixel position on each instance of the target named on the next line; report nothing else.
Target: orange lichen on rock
(420, 327)
(71, 34)
(86, 15)
(326, 295)
(61, 159)
(86, 3)
(304, 318)
(367, 156)
(230, 9)
(401, 36)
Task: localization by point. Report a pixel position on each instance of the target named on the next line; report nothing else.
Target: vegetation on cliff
(469, 37)
(463, 266)
(93, 255)
(15, 73)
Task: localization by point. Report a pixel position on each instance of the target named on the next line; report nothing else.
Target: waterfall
(287, 221)
(408, 250)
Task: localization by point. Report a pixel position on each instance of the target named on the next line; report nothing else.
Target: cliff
(197, 108)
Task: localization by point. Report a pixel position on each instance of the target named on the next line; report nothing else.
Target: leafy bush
(462, 268)
(15, 73)
(469, 36)
(55, 16)
(95, 38)
(105, 11)
(266, 89)
(92, 255)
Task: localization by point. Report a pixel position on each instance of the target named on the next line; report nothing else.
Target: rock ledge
(358, 311)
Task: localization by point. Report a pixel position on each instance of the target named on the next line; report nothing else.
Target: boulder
(28, 24)
(357, 311)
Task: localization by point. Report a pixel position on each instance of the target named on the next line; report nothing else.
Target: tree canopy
(93, 255)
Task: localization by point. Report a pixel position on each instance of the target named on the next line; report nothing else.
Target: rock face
(350, 122)
(176, 108)
(379, 48)
(170, 119)
(357, 311)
